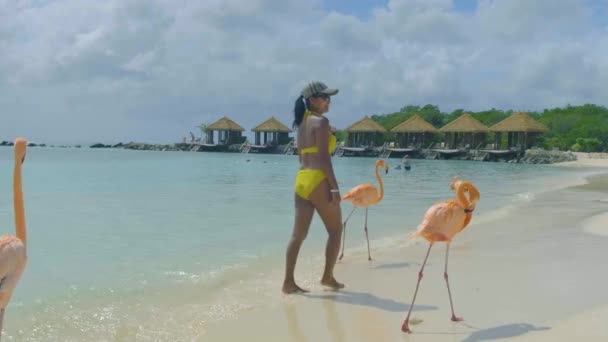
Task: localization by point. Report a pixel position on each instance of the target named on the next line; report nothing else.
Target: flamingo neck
(462, 198)
(379, 184)
(18, 203)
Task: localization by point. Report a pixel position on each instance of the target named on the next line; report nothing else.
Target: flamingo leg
(445, 275)
(369, 255)
(1, 319)
(405, 327)
(344, 232)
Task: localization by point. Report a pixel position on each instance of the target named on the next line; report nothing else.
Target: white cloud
(153, 69)
(141, 62)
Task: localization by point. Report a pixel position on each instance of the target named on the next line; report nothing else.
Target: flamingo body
(13, 254)
(441, 222)
(364, 196)
(13, 259)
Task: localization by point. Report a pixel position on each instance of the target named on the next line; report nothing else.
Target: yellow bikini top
(313, 149)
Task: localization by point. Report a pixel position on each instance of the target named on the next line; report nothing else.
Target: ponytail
(298, 111)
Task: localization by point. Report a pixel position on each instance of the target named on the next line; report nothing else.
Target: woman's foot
(292, 287)
(333, 283)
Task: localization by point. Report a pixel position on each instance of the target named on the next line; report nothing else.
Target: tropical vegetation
(578, 128)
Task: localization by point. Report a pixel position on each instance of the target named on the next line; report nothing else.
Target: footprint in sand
(415, 321)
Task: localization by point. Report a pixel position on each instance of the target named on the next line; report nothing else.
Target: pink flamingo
(13, 256)
(364, 196)
(442, 222)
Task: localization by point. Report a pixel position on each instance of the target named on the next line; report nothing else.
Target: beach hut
(413, 132)
(521, 129)
(361, 136)
(271, 132)
(228, 133)
(464, 132)
(268, 135)
(363, 133)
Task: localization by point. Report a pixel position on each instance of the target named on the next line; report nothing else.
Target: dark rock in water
(155, 147)
(99, 145)
(118, 145)
(29, 144)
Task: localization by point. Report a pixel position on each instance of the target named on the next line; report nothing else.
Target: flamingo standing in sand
(13, 256)
(364, 196)
(442, 222)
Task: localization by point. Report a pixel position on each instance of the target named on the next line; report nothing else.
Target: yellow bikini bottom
(307, 180)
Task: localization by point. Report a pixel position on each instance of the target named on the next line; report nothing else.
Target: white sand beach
(535, 274)
(588, 160)
(597, 224)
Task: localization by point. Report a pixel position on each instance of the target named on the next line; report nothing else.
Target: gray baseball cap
(315, 88)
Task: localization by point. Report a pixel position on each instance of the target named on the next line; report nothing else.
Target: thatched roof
(271, 125)
(365, 125)
(465, 124)
(415, 124)
(225, 124)
(519, 122)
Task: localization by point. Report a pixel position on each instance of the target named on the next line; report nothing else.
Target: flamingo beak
(23, 159)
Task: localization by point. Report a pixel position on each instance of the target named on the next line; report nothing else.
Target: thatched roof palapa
(519, 122)
(225, 124)
(365, 125)
(465, 124)
(415, 124)
(271, 125)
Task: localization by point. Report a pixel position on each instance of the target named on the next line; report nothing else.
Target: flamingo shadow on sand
(364, 196)
(395, 265)
(503, 331)
(369, 300)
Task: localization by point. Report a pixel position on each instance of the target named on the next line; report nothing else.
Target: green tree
(588, 122)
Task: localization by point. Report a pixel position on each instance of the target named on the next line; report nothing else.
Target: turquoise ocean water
(158, 244)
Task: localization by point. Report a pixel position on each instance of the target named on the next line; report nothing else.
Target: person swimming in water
(316, 188)
(406, 162)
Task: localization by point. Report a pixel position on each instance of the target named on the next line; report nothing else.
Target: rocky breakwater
(539, 156)
(145, 147)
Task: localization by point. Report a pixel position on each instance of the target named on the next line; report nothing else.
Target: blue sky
(600, 11)
(152, 70)
(363, 8)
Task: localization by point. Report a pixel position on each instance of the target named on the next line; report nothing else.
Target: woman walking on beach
(316, 187)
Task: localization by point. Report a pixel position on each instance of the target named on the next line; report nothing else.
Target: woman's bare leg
(332, 218)
(304, 212)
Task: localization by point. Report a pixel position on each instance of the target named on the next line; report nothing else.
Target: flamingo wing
(13, 259)
(441, 222)
(362, 195)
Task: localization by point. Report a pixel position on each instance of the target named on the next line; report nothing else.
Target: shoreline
(531, 156)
